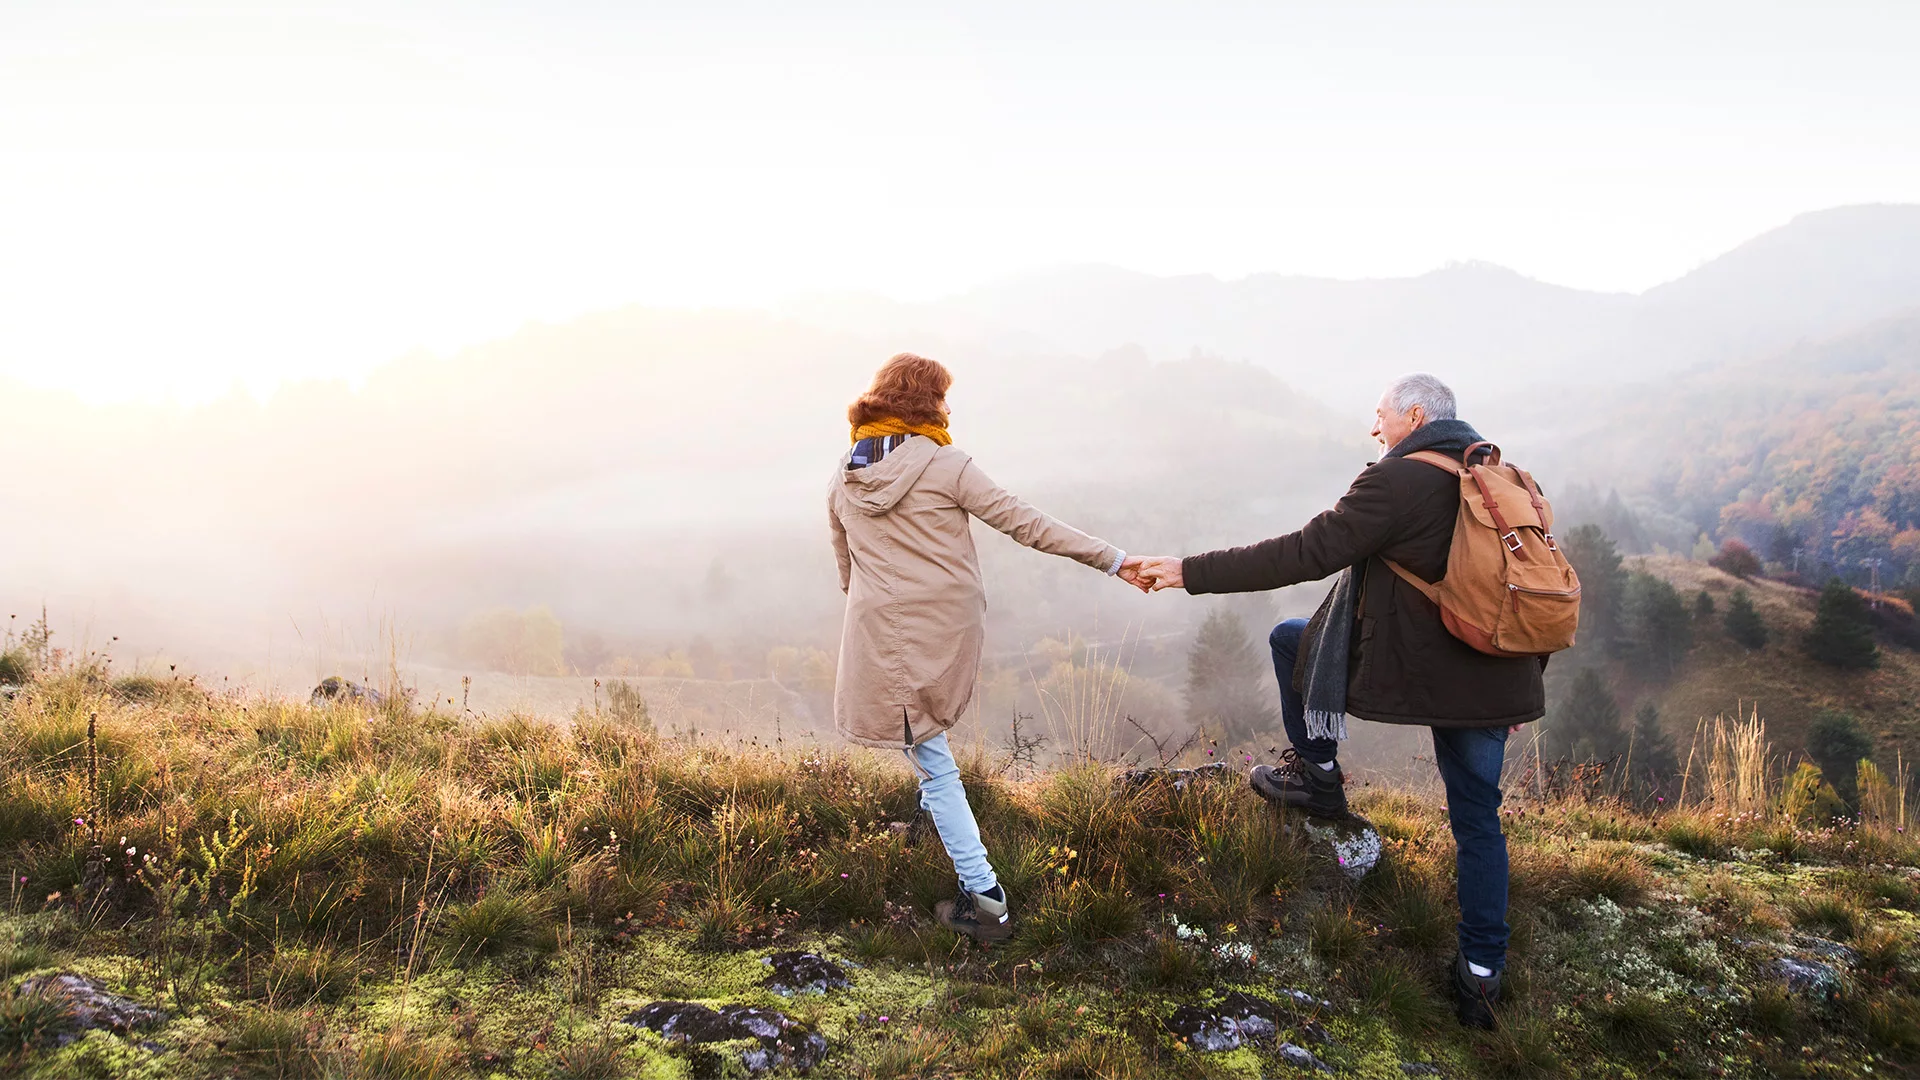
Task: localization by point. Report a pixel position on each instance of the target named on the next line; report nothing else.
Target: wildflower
(843, 877)
(883, 1019)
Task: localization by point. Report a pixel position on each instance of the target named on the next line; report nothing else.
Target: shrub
(1617, 873)
(1809, 799)
(1639, 1025)
(299, 976)
(1737, 559)
(1829, 915)
(626, 707)
(138, 688)
(1894, 1022)
(1334, 936)
(1081, 915)
(30, 1020)
(403, 1055)
(602, 1058)
(21, 959)
(16, 667)
(1521, 1046)
(1695, 836)
(1394, 990)
(276, 1045)
(498, 922)
(1837, 743)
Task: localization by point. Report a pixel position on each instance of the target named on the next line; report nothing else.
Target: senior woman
(900, 508)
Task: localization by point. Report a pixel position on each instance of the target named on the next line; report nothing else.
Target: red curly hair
(908, 388)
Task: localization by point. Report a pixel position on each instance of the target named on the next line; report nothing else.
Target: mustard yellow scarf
(891, 426)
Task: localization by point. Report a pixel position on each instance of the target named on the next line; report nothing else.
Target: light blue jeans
(942, 796)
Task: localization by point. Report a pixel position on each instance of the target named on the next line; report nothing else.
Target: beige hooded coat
(916, 608)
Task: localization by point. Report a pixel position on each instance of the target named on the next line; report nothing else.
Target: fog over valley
(639, 493)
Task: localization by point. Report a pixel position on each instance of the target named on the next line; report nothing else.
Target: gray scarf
(1321, 670)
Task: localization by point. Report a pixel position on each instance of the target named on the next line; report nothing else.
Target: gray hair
(1425, 391)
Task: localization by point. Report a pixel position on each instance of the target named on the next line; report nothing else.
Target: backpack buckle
(1512, 540)
(1551, 546)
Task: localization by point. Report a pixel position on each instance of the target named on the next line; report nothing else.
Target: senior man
(1389, 658)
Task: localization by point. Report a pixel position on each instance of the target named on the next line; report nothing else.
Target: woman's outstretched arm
(995, 505)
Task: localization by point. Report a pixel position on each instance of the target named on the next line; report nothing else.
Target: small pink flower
(883, 1019)
(843, 877)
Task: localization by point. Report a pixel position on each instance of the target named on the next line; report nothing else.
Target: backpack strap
(1431, 592)
(1438, 460)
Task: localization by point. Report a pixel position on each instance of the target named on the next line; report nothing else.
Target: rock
(1354, 842)
(335, 688)
(781, 1043)
(1238, 1019)
(1303, 1000)
(1302, 1058)
(1179, 778)
(90, 1007)
(1418, 1068)
(804, 973)
(1314, 1033)
(1825, 949)
(1809, 978)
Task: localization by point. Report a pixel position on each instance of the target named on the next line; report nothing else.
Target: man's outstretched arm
(1359, 525)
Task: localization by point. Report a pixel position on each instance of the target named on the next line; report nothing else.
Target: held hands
(1151, 573)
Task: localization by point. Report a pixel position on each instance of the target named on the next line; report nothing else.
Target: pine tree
(1655, 761)
(1703, 605)
(1586, 726)
(1657, 629)
(1228, 679)
(1743, 622)
(1603, 584)
(1842, 632)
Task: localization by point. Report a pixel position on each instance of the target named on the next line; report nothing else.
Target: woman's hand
(1151, 573)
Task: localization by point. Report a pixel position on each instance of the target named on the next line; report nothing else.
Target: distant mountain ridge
(1490, 330)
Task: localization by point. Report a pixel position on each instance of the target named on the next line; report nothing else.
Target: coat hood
(877, 487)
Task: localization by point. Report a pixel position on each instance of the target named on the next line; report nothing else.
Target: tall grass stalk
(1740, 764)
(1084, 714)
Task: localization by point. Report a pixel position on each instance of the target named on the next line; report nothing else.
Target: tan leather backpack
(1509, 590)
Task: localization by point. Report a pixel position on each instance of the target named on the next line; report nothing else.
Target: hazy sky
(196, 194)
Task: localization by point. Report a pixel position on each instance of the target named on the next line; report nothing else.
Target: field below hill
(221, 885)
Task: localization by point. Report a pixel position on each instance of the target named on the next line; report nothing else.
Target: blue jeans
(1470, 760)
(943, 797)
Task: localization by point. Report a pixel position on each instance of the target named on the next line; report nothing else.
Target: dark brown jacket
(1405, 668)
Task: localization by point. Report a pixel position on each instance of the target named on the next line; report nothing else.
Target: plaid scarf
(870, 450)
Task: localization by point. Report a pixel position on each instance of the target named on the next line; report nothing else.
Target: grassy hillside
(1721, 677)
(321, 892)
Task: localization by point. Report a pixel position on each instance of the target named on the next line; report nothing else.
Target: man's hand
(1129, 572)
(1158, 572)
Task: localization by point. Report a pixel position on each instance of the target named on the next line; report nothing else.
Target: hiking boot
(1302, 785)
(977, 915)
(1474, 996)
